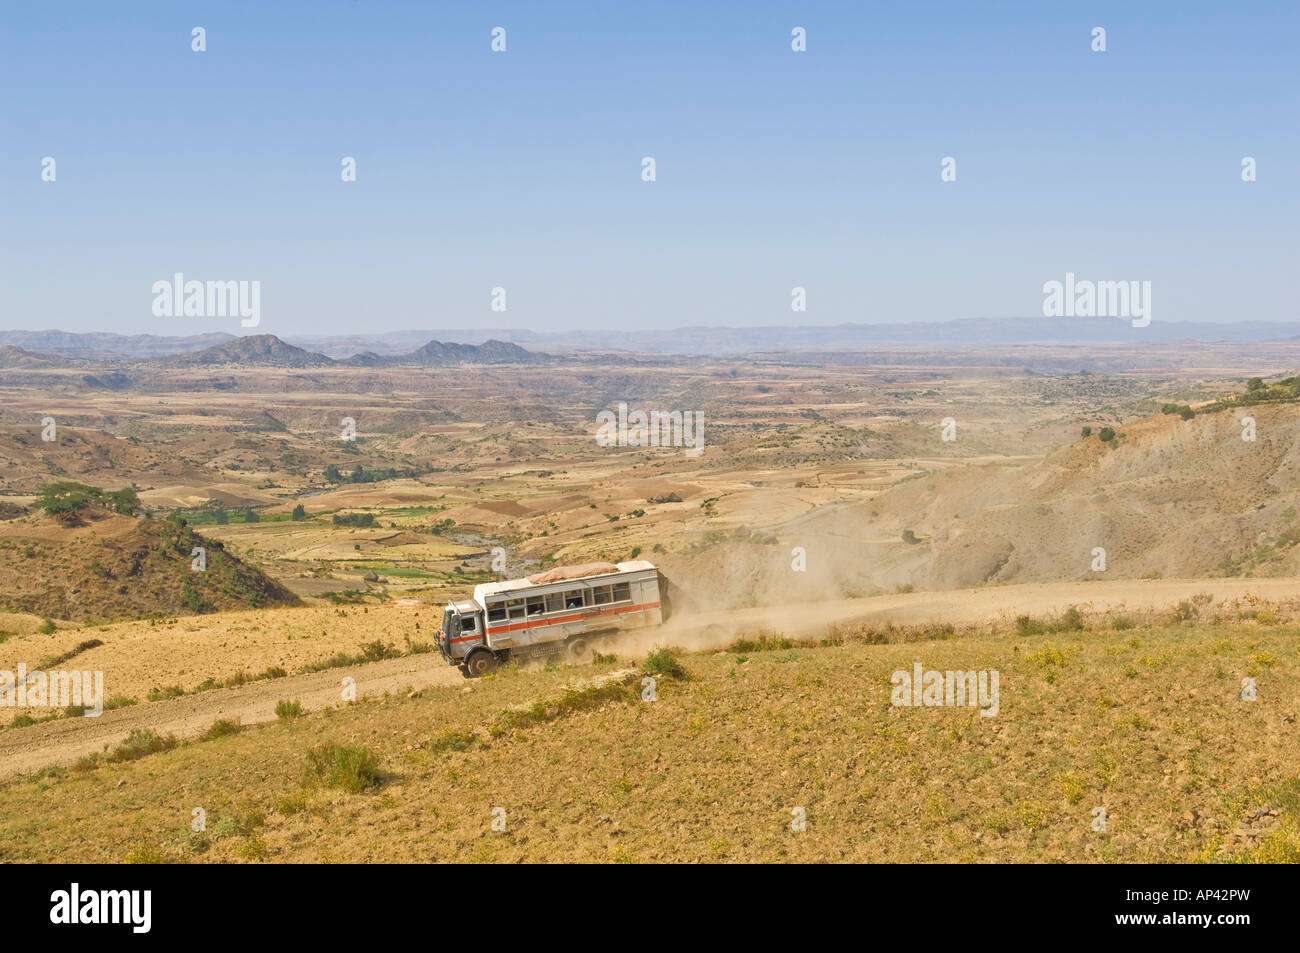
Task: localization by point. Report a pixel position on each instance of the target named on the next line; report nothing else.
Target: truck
(561, 612)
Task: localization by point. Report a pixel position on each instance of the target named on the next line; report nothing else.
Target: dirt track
(62, 741)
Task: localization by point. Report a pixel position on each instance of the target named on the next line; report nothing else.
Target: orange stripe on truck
(497, 630)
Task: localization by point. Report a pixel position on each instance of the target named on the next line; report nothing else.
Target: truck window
(554, 602)
(604, 595)
(573, 599)
(622, 592)
(536, 605)
(497, 612)
(515, 607)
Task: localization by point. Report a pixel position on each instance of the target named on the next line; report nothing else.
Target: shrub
(1086, 432)
(909, 536)
(285, 710)
(141, 742)
(46, 627)
(663, 661)
(252, 849)
(352, 769)
(376, 651)
(222, 727)
(362, 520)
(453, 739)
(1028, 625)
(1071, 620)
(1106, 434)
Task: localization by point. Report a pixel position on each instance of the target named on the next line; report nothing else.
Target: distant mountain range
(959, 333)
(106, 346)
(267, 350)
(497, 345)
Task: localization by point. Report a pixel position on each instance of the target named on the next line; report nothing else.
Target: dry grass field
(1146, 722)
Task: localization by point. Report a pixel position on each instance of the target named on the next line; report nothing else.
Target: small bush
(222, 727)
(254, 848)
(1106, 434)
(452, 739)
(375, 651)
(141, 742)
(1028, 625)
(285, 710)
(1071, 620)
(664, 662)
(352, 769)
(764, 643)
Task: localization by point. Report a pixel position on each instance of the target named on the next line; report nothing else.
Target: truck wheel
(479, 662)
(579, 650)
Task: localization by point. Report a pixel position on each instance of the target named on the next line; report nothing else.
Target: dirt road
(62, 741)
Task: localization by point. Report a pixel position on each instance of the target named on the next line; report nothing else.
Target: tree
(1254, 384)
(299, 513)
(1087, 431)
(332, 474)
(124, 501)
(1106, 434)
(67, 499)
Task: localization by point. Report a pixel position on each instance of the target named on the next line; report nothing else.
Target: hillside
(263, 350)
(13, 356)
(1146, 723)
(27, 462)
(114, 566)
(1167, 485)
(104, 345)
(1173, 498)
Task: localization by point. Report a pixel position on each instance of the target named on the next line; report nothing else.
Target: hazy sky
(522, 169)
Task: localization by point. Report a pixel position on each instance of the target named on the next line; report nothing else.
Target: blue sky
(521, 169)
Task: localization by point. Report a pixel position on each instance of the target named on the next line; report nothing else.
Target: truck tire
(579, 650)
(479, 663)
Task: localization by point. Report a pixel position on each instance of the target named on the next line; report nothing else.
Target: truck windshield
(447, 630)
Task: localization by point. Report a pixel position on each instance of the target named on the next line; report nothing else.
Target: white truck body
(544, 613)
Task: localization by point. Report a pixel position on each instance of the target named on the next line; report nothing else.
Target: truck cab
(462, 638)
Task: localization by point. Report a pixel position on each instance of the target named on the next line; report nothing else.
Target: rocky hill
(114, 566)
(260, 350)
